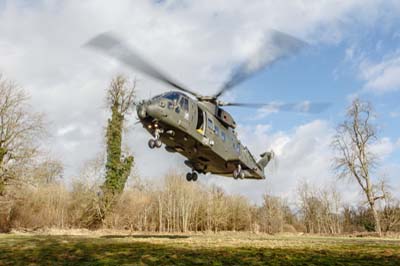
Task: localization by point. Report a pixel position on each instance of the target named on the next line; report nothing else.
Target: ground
(194, 249)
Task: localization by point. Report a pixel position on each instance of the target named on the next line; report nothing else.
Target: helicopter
(196, 126)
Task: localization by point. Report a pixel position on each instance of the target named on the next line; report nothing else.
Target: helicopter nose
(141, 110)
(150, 109)
(153, 110)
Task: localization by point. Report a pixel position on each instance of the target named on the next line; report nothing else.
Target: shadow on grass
(147, 236)
(62, 250)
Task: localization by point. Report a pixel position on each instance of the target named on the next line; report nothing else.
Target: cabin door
(200, 124)
(183, 111)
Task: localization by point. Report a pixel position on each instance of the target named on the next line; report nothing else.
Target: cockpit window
(157, 97)
(172, 95)
(184, 103)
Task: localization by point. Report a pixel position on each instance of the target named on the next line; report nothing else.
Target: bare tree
(390, 213)
(319, 208)
(19, 130)
(272, 217)
(239, 213)
(355, 160)
(310, 208)
(47, 171)
(121, 95)
(217, 214)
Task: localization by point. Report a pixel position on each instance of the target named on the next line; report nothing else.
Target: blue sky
(322, 73)
(353, 51)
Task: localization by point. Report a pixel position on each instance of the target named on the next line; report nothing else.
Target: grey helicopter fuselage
(201, 132)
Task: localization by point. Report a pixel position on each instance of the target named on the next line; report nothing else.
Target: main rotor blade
(112, 46)
(301, 107)
(275, 45)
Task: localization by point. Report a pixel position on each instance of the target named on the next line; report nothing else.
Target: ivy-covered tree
(120, 100)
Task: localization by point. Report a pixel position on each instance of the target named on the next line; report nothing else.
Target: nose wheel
(191, 176)
(154, 143)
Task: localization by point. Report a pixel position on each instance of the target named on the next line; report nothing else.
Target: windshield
(157, 97)
(173, 95)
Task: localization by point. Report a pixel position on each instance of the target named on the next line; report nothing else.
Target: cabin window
(216, 130)
(236, 147)
(210, 124)
(223, 137)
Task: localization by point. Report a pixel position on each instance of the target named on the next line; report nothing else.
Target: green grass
(207, 249)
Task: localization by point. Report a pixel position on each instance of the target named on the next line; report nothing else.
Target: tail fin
(266, 157)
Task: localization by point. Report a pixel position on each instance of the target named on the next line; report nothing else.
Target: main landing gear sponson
(238, 173)
(191, 176)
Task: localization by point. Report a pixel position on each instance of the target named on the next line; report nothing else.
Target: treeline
(175, 205)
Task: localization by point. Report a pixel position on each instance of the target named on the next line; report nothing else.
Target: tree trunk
(376, 218)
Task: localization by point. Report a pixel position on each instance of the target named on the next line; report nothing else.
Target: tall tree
(19, 130)
(353, 141)
(120, 99)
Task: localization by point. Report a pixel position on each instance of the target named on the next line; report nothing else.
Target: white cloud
(383, 147)
(383, 76)
(65, 130)
(394, 114)
(350, 53)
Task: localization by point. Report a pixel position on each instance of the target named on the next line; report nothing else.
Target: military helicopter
(197, 126)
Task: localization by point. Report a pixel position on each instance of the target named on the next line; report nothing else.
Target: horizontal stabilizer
(266, 157)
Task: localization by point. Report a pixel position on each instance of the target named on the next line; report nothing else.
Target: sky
(352, 52)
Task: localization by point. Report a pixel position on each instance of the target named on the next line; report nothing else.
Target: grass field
(199, 249)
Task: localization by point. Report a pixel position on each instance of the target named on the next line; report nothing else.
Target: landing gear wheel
(194, 176)
(158, 143)
(189, 177)
(151, 143)
(236, 174)
(241, 175)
